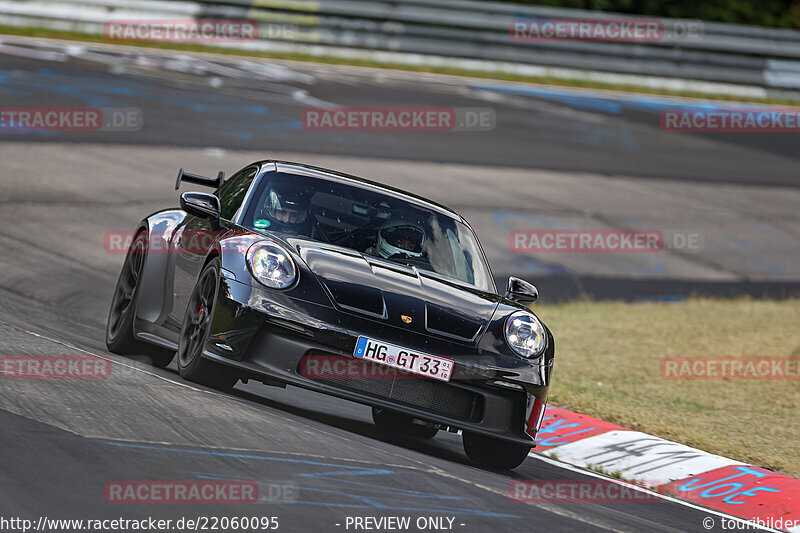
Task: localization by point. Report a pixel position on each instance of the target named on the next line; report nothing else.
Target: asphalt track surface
(62, 440)
(556, 159)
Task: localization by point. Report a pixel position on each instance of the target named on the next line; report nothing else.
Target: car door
(196, 236)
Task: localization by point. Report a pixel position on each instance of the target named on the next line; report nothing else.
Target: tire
(121, 316)
(194, 334)
(494, 453)
(394, 423)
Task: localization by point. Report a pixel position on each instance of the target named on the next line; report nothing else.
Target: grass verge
(608, 366)
(544, 80)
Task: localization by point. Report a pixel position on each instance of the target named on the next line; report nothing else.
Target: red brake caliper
(199, 315)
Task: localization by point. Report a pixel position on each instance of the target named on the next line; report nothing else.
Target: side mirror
(201, 204)
(521, 291)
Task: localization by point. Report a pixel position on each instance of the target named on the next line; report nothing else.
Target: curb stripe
(716, 482)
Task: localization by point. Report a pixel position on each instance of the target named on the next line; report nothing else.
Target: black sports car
(292, 274)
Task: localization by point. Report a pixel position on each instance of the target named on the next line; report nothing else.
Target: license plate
(431, 366)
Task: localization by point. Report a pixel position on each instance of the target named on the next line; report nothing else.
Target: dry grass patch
(608, 365)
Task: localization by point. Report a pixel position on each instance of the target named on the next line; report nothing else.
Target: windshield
(375, 224)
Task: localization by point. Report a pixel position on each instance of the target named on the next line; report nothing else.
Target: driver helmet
(400, 236)
(287, 206)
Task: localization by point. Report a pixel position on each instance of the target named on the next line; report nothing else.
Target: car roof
(340, 177)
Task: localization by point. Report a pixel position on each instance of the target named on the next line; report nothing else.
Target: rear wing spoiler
(200, 180)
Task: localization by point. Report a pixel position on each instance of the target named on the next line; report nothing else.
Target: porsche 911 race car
(292, 274)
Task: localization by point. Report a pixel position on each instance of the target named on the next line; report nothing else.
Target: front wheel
(394, 423)
(493, 452)
(194, 334)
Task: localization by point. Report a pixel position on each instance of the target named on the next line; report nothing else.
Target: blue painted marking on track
(712, 488)
(586, 101)
(559, 425)
(610, 103)
(361, 472)
(289, 124)
(442, 510)
(105, 90)
(753, 253)
(386, 490)
(787, 241)
(365, 501)
(244, 456)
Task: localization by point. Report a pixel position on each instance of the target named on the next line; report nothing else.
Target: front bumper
(266, 334)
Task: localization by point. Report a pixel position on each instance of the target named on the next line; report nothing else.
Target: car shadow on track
(318, 407)
(437, 447)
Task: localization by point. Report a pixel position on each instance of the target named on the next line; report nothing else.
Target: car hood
(398, 294)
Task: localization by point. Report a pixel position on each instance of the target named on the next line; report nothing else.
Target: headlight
(525, 334)
(271, 265)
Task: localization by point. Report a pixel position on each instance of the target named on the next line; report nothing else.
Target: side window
(231, 194)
